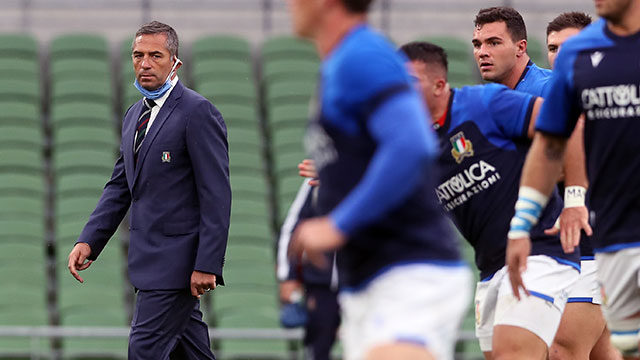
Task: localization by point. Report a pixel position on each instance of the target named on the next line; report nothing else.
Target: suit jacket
(179, 194)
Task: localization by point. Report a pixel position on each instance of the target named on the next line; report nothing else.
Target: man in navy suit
(173, 173)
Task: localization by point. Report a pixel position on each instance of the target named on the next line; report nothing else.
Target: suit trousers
(167, 325)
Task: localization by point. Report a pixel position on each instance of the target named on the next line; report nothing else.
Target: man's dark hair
(426, 52)
(156, 27)
(574, 19)
(357, 6)
(512, 18)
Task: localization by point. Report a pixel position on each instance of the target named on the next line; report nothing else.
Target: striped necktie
(141, 128)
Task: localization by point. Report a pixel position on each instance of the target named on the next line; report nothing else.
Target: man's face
(612, 10)
(423, 80)
(152, 61)
(304, 16)
(494, 51)
(555, 39)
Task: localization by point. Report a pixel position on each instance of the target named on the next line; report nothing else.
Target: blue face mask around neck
(159, 92)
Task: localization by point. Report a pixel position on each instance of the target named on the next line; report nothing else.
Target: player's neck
(511, 81)
(629, 23)
(336, 26)
(440, 108)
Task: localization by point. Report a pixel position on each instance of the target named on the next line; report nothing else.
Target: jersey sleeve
(511, 110)
(560, 110)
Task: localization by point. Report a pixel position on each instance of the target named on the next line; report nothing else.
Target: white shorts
(619, 278)
(548, 282)
(587, 288)
(416, 303)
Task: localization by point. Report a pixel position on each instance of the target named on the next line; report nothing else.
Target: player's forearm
(544, 163)
(574, 160)
(539, 175)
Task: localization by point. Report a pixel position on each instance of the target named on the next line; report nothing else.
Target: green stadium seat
(290, 92)
(82, 137)
(27, 184)
(14, 207)
(242, 93)
(243, 162)
(21, 160)
(20, 69)
(95, 69)
(79, 205)
(83, 161)
(20, 114)
(291, 70)
(80, 185)
(246, 233)
(13, 136)
(82, 114)
(287, 48)
(20, 46)
(20, 90)
(239, 115)
(208, 70)
(248, 185)
(84, 46)
(222, 47)
(244, 210)
(245, 138)
(251, 253)
(74, 90)
(26, 231)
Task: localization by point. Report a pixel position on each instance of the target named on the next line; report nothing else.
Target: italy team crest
(461, 147)
(166, 156)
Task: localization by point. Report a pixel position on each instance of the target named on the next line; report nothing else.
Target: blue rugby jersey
(598, 73)
(483, 145)
(534, 80)
(359, 78)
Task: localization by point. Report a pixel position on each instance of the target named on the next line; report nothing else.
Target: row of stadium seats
(58, 142)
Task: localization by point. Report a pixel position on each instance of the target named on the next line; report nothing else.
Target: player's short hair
(574, 19)
(512, 18)
(426, 52)
(156, 27)
(357, 6)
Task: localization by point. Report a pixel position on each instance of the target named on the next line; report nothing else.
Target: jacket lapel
(163, 115)
(127, 140)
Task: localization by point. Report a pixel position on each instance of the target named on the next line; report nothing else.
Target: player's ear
(521, 47)
(439, 87)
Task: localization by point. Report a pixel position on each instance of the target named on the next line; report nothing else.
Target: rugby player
(596, 73)
(484, 133)
(404, 288)
(583, 333)
(500, 51)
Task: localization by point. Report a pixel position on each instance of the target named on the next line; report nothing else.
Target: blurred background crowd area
(65, 82)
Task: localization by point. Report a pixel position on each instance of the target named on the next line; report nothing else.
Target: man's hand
(313, 238)
(78, 260)
(571, 221)
(307, 169)
(517, 252)
(202, 282)
(287, 288)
